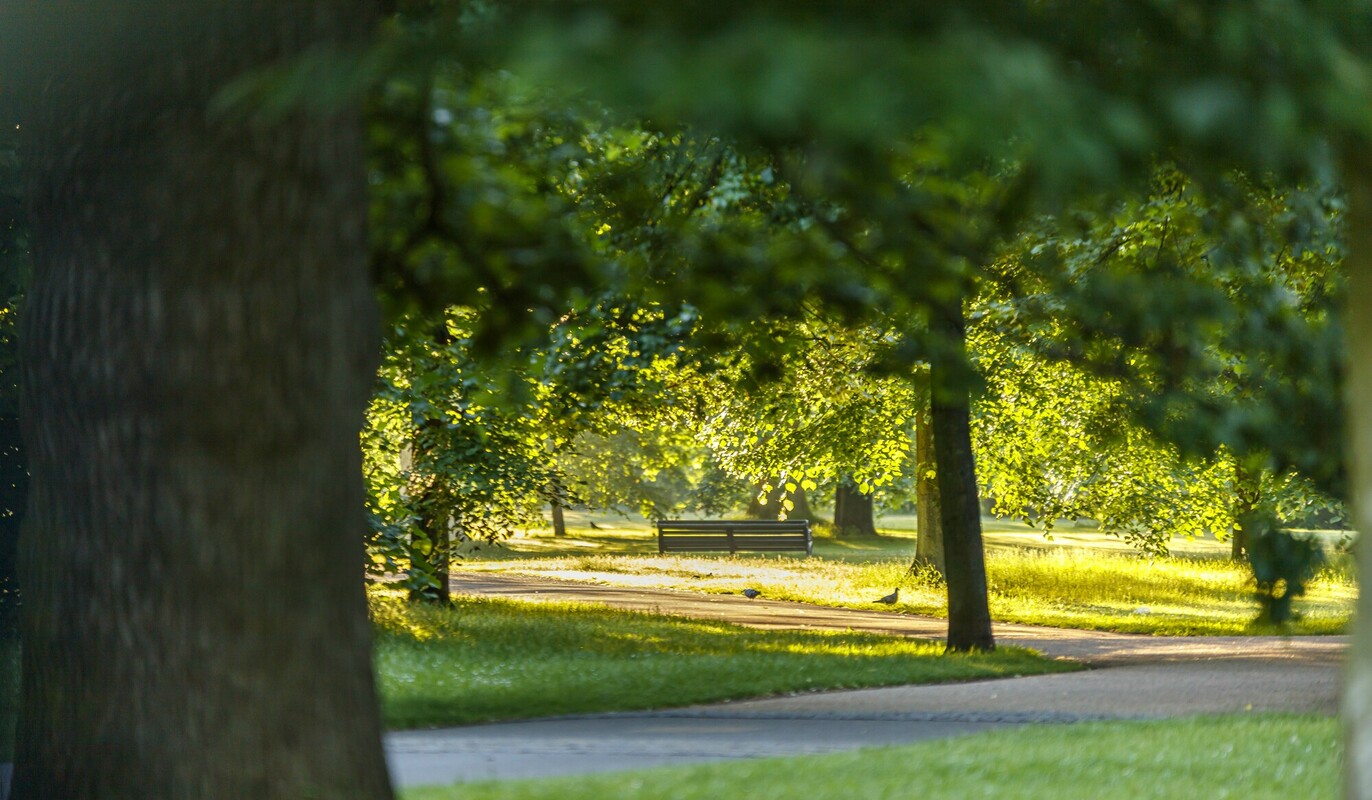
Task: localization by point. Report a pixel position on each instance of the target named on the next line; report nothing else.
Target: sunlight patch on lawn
(483, 660)
(1065, 587)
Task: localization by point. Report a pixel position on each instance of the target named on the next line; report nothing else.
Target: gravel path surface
(1133, 677)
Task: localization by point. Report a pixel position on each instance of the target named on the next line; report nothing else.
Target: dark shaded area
(853, 511)
(772, 508)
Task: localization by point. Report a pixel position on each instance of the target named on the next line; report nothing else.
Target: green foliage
(1142, 360)
(882, 186)
(1073, 92)
(832, 410)
(614, 393)
(1215, 313)
(468, 178)
(440, 452)
(611, 362)
(1055, 443)
(653, 469)
(459, 442)
(1283, 565)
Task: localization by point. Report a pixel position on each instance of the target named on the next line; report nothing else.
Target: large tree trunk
(969, 617)
(199, 344)
(559, 520)
(854, 512)
(928, 513)
(1357, 700)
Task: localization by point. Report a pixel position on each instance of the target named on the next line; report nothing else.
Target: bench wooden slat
(691, 535)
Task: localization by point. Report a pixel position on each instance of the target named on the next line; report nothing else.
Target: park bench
(734, 535)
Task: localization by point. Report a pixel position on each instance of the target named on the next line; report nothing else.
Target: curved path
(1133, 677)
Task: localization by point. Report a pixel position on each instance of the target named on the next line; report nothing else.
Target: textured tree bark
(1357, 697)
(854, 512)
(199, 343)
(969, 617)
(928, 515)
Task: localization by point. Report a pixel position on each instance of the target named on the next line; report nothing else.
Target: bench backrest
(697, 535)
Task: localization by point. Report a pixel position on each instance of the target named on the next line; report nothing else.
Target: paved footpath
(1132, 677)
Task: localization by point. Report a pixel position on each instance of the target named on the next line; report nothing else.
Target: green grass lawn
(1079, 579)
(1258, 757)
(483, 660)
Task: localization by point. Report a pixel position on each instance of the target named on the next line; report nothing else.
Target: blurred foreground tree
(197, 348)
(14, 470)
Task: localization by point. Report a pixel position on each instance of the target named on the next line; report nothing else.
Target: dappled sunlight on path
(1097, 648)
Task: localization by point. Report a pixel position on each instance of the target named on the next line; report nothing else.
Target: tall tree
(969, 615)
(445, 459)
(197, 350)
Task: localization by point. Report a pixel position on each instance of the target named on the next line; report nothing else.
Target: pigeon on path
(890, 599)
(751, 593)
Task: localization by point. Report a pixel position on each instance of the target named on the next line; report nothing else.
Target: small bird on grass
(892, 598)
(751, 593)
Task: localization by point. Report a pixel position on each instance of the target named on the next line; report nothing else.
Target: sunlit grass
(482, 660)
(1080, 579)
(1260, 757)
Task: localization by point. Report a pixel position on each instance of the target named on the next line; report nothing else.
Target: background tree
(1256, 268)
(446, 460)
(828, 414)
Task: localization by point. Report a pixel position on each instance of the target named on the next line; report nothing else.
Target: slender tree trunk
(969, 617)
(198, 347)
(773, 508)
(854, 512)
(559, 521)
(1357, 697)
(557, 495)
(929, 546)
